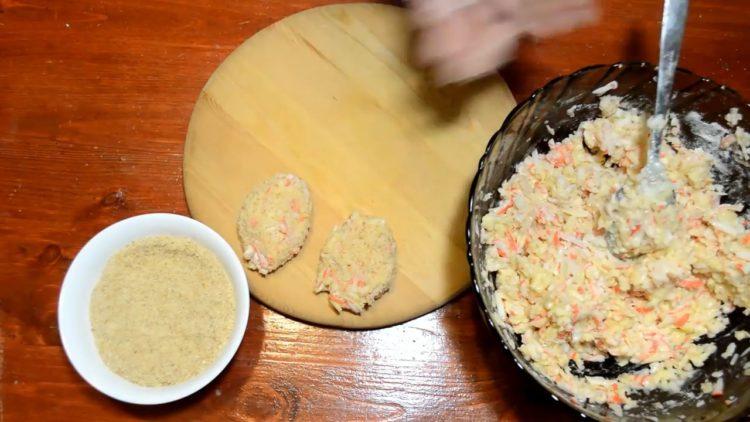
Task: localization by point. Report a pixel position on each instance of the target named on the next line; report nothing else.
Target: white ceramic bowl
(83, 274)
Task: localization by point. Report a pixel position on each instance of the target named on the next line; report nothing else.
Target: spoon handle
(672, 29)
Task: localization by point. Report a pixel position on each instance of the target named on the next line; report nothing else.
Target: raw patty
(274, 222)
(357, 263)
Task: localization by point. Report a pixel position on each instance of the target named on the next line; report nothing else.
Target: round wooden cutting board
(328, 94)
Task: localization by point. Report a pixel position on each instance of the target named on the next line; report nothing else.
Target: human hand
(467, 39)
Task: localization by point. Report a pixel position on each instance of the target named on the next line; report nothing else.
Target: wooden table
(95, 98)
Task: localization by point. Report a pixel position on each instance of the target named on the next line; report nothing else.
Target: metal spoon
(652, 178)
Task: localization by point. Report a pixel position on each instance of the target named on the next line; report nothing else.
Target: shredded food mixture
(357, 264)
(571, 300)
(274, 222)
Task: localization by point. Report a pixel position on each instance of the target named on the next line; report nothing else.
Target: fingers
(546, 8)
(505, 9)
(493, 47)
(472, 42)
(424, 13)
(566, 21)
(543, 18)
(441, 42)
(465, 39)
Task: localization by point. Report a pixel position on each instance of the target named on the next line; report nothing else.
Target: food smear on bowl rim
(572, 301)
(163, 310)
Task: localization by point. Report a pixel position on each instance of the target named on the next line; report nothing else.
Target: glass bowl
(525, 129)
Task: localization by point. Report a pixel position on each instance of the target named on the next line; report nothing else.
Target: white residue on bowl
(733, 361)
(729, 351)
(605, 88)
(718, 388)
(710, 133)
(733, 117)
(572, 110)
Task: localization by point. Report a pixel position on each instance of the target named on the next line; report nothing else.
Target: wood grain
(328, 94)
(93, 116)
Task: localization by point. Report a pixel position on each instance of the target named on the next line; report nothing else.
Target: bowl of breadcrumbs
(153, 308)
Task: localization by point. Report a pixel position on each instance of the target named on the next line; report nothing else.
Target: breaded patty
(357, 263)
(274, 222)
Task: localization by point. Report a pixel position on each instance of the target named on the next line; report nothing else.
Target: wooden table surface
(95, 98)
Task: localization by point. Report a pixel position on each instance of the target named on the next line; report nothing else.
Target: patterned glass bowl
(525, 129)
